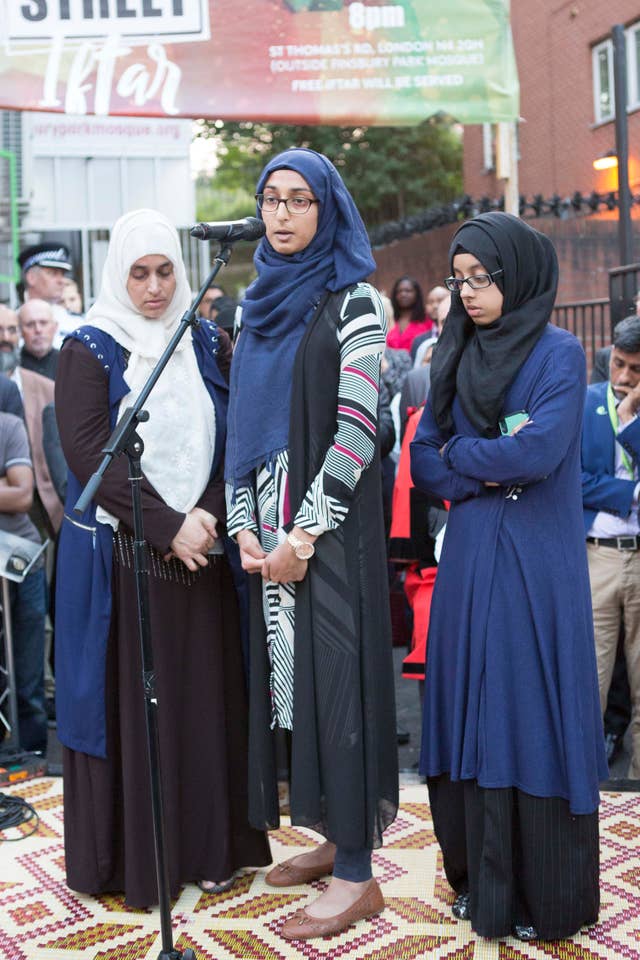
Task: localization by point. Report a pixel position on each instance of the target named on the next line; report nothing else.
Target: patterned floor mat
(41, 919)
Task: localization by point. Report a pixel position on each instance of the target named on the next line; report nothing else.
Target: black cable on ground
(15, 811)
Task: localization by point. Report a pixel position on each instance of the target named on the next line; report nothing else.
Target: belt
(621, 543)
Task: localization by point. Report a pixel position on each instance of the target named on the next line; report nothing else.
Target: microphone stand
(125, 439)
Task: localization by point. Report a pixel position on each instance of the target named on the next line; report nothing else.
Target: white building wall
(77, 175)
(84, 172)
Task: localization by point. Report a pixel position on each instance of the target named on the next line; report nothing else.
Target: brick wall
(587, 248)
(558, 140)
(423, 257)
(558, 143)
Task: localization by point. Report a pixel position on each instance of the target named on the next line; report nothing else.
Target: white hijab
(179, 436)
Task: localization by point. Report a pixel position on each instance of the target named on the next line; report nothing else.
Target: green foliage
(391, 172)
(217, 202)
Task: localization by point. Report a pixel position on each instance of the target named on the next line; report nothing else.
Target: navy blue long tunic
(511, 694)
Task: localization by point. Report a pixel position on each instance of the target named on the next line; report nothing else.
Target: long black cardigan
(344, 769)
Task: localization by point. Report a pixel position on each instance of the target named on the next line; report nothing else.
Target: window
(633, 65)
(11, 139)
(604, 107)
(603, 98)
(488, 152)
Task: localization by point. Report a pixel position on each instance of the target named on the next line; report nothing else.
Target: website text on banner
(278, 60)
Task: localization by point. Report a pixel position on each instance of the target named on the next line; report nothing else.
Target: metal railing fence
(589, 321)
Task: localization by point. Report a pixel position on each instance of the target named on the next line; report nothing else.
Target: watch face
(305, 551)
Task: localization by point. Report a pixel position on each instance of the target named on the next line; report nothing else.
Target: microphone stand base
(176, 955)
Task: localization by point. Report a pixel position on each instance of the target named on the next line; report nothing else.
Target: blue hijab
(277, 308)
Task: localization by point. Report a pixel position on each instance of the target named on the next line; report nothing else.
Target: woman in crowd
(304, 502)
(194, 619)
(409, 313)
(512, 741)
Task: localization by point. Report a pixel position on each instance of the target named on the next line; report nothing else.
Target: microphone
(230, 230)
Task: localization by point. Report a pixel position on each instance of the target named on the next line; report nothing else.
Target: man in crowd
(416, 386)
(212, 294)
(223, 311)
(610, 489)
(28, 598)
(45, 268)
(434, 299)
(600, 369)
(38, 328)
(10, 399)
(37, 393)
(618, 713)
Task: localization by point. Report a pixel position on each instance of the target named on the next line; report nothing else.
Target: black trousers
(522, 859)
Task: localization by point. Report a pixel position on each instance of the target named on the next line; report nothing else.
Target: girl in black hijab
(512, 741)
(478, 360)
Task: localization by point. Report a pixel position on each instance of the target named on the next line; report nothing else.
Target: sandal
(215, 886)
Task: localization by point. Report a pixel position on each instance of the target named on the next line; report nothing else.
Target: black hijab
(480, 363)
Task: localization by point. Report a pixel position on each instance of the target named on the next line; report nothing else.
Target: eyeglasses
(477, 282)
(269, 203)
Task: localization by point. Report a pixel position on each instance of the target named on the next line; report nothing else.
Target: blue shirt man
(610, 493)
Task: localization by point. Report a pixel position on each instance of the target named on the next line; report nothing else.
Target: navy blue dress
(511, 695)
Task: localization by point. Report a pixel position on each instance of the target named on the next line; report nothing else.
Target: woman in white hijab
(193, 603)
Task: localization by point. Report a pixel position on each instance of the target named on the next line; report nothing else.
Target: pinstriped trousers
(523, 860)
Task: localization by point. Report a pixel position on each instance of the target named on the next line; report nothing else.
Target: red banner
(310, 61)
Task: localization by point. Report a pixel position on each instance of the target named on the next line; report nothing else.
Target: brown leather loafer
(302, 926)
(289, 874)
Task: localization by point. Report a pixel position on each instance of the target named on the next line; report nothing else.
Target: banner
(286, 61)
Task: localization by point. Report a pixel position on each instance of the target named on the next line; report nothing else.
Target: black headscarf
(479, 363)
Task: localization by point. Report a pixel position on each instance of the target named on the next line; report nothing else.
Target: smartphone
(512, 420)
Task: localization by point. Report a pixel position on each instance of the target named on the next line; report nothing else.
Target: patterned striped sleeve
(361, 335)
(241, 515)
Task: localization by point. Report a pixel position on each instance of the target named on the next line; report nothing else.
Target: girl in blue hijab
(280, 302)
(304, 502)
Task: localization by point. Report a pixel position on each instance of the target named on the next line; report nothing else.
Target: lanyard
(613, 417)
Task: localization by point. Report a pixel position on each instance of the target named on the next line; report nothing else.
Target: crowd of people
(305, 443)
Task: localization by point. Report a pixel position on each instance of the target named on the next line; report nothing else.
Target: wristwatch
(302, 548)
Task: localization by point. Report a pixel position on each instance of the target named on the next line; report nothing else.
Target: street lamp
(607, 161)
(622, 147)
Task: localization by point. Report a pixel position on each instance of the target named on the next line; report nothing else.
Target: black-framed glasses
(269, 203)
(477, 282)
